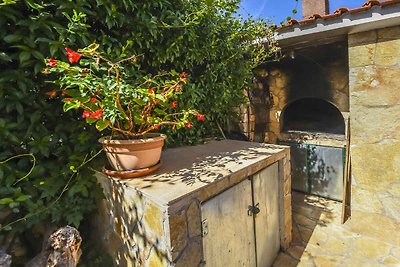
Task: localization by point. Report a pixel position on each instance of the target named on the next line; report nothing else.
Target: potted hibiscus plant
(132, 107)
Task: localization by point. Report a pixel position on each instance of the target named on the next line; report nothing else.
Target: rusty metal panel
(230, 234)
(266, 198)
(317, 169)
(326, 171)
(298, 162)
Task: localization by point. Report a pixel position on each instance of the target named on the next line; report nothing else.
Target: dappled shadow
(310, 213)
(129, 215)
(205, 169)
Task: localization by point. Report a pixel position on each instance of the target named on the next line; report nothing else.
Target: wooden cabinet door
(230, 238)
(266, 195)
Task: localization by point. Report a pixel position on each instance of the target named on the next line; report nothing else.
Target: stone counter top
(200, 171)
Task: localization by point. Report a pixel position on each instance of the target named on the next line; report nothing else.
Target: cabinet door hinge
(204, 227)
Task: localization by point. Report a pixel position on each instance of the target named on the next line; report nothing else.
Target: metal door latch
(253, 210)
(204, 227)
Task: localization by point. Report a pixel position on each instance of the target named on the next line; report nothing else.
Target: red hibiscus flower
(200, 117)
(97, 114)
(52, 62)
(86, 114)
(52, 93)
(174, 104)
(93, 100)
(184, 74)
(188, 125)
(72, 55)
(151, 90)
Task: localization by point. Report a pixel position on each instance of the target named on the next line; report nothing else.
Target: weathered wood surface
(62, 249)
(266, 195)
(230, 238)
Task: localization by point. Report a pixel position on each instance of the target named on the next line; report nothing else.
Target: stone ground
(319, 239)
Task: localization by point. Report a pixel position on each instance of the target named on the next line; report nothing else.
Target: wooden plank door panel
(266, 189)
(230, 238)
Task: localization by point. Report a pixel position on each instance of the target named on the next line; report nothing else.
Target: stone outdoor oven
(308, 110)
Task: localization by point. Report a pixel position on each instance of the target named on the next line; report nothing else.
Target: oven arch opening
(312, 115)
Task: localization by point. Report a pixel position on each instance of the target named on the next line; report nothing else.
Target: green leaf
(12, 38)
(5, 201)
(101, 125)
(24, 56)
(71, 105)
(23, 198)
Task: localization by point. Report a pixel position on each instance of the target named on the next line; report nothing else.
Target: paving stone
(284, 260)
(337, 246)
(296, 251)
(391, 261)
(396, 252)
(331, 243)
(376, 226)
(371, 248)
(326, 261)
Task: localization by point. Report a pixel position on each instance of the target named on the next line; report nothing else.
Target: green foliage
(204, 38)
(112, 97)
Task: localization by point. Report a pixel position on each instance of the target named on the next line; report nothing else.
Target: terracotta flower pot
(133, 154)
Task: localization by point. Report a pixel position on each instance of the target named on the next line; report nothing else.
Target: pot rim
(147, 138)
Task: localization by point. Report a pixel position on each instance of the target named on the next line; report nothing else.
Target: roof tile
(339, 12)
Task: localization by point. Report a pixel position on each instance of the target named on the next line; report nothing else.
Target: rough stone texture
(375, 137)
(194, 219)
(192, 256)
(311, 7)
(179, 233)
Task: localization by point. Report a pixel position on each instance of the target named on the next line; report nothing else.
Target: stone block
(371, 125)
(387, 53)
(178, 232)
(375, 79)
(154, 220)
(360, 56)
(157, 259)
(389, 33)
(365, 200)
(193, 254)
(362, 38)
(194, 219)
(375, 167)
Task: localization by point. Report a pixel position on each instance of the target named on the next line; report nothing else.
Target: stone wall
(374, 61)
(132, 227)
